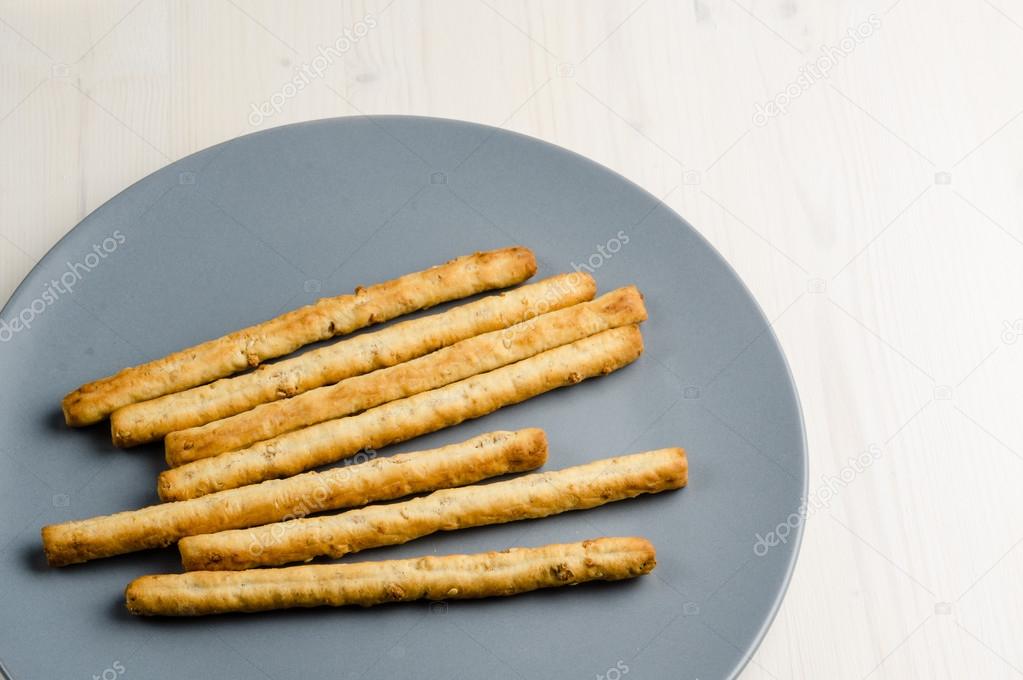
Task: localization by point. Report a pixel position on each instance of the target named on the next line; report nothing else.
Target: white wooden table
(875, 211)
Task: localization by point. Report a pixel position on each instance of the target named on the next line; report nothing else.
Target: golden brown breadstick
(530, 497)
(284, 334)
(460, 360)
(488, 455)
(517, 570)
(403, 419)
(149, 420)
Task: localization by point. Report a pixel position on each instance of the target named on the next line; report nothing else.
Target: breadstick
(488, 455)
(461, 360)
(284, 334)
(530, 497)
(492, 574)
(403, 419)
(150, 420)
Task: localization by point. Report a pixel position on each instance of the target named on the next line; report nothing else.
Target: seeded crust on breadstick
(156, 526)
(151, 420)
(492, 574)
(461, 360)
(283, 334)
(404, 419)
(532, 496)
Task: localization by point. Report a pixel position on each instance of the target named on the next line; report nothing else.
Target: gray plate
(239, 232)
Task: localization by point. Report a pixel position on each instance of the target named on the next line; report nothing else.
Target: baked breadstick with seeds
(284, 334)
(153, 419)
(450, 577)
(406, 418)
(461, 360)
(530, 497)
(488, 455)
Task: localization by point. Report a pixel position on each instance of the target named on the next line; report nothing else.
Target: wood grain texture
(878, 222)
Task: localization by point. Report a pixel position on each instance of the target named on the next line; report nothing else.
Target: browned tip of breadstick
(683, 467)
(491, 574)
(525, 256)
(627, 299)
(51, 535)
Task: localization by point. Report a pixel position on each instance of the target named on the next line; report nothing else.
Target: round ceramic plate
(240, 232)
